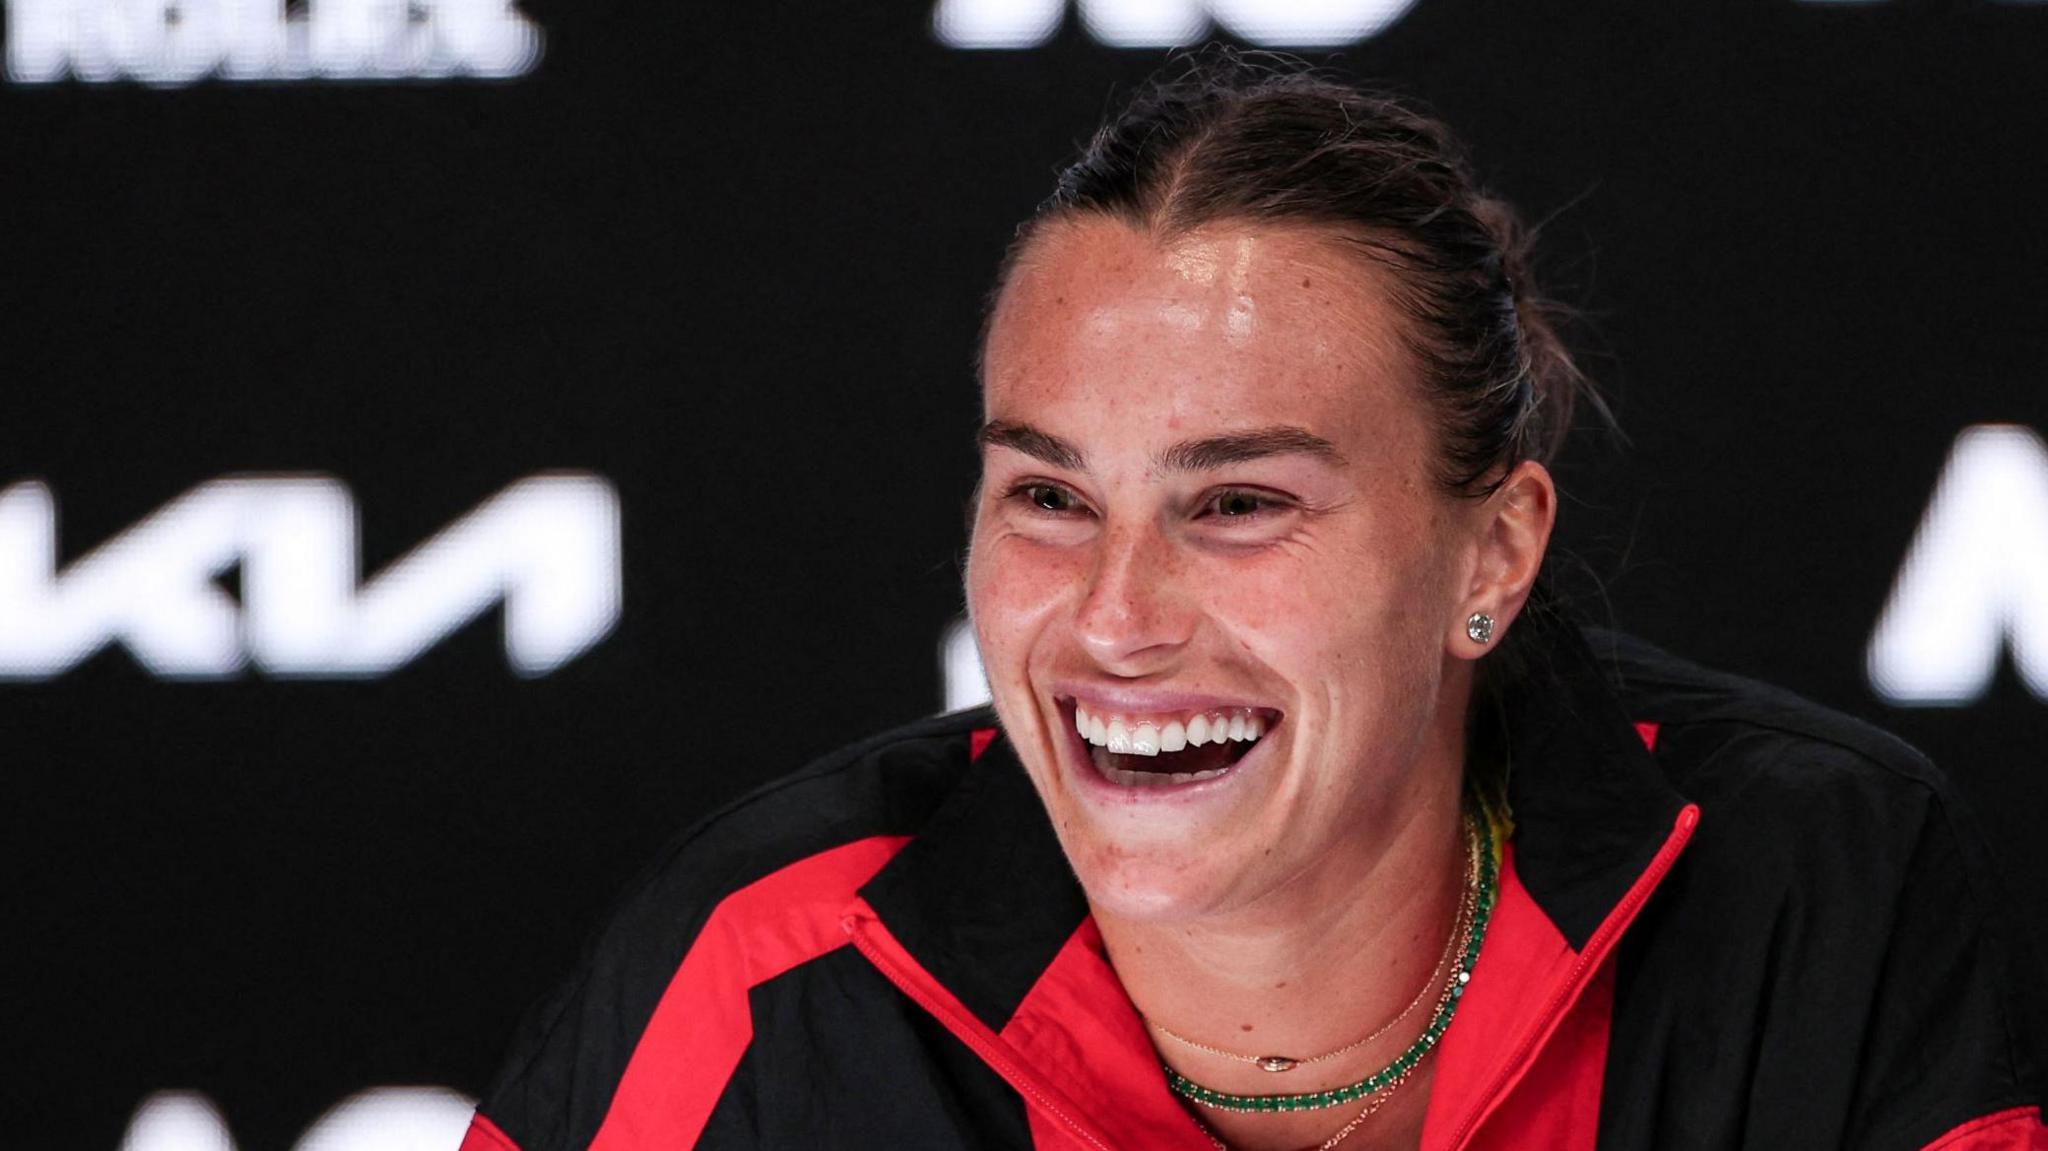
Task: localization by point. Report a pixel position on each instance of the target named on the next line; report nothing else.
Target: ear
(1510, 536)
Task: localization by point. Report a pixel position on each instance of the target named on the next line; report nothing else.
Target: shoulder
(1769, 758)
(1836, 908)
(1808, 817)
(885, 785)
(829, 824)
(753, 889)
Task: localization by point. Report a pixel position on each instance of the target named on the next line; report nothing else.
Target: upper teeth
(1150, 735)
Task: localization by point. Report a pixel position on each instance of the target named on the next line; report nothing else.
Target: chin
(1147, 887)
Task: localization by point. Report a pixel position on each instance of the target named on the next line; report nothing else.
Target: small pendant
(1277, 1062)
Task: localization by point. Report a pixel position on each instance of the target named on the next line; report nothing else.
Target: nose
(1136, 615)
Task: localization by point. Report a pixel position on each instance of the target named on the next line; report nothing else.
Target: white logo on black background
(1174, 23)
(547, 547)
(173, 42)
(379, 1119)
(1976, 578)
(1165, 23)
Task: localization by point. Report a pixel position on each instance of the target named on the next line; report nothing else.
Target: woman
(1302, 819)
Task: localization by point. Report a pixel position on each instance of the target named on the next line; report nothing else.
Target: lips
(1136, 748)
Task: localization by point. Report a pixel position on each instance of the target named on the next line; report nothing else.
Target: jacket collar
(983, 898)
(1591, 807)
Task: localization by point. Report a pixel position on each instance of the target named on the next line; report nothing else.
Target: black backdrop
(729, 258)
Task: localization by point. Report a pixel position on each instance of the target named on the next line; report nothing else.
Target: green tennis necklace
(1482, 893)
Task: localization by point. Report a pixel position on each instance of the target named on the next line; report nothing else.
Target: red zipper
(1597, 946)
(972, 1032)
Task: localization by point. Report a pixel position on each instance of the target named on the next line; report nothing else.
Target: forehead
(1227, 326)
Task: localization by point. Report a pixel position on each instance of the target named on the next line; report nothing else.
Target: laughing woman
(1302, 818)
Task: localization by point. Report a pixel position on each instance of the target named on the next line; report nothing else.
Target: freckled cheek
(1313, 629)
(1280, 608)
(1014, 588)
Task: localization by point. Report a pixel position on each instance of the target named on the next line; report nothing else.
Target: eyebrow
(1042, 446)
(1201, 455)
(1238, 447)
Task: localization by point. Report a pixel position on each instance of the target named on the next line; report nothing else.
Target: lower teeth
(1156, 779)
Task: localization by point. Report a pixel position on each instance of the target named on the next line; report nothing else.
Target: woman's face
(1207, 500)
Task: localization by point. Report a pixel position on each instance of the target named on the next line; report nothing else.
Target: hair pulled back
(1233, 139)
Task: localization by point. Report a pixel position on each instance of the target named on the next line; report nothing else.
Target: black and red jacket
(1728, 919)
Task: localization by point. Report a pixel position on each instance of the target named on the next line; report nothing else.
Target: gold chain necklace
(1468, 928)
(1373, 1103)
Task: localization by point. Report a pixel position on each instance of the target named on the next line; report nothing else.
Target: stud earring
(1480, 627)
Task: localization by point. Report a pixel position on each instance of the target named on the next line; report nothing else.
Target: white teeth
(1173, 737)
(1151, 737)
(1119, 737)
(1145, 740)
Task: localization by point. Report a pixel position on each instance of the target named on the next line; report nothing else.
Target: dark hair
(1231, 137)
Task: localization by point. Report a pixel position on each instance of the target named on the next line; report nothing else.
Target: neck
(1314, 965)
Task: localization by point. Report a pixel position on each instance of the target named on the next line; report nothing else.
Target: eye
(1241, 503)
(1049, 498)
(1044, 497)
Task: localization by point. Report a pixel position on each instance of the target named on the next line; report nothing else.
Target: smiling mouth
(1170, 750)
